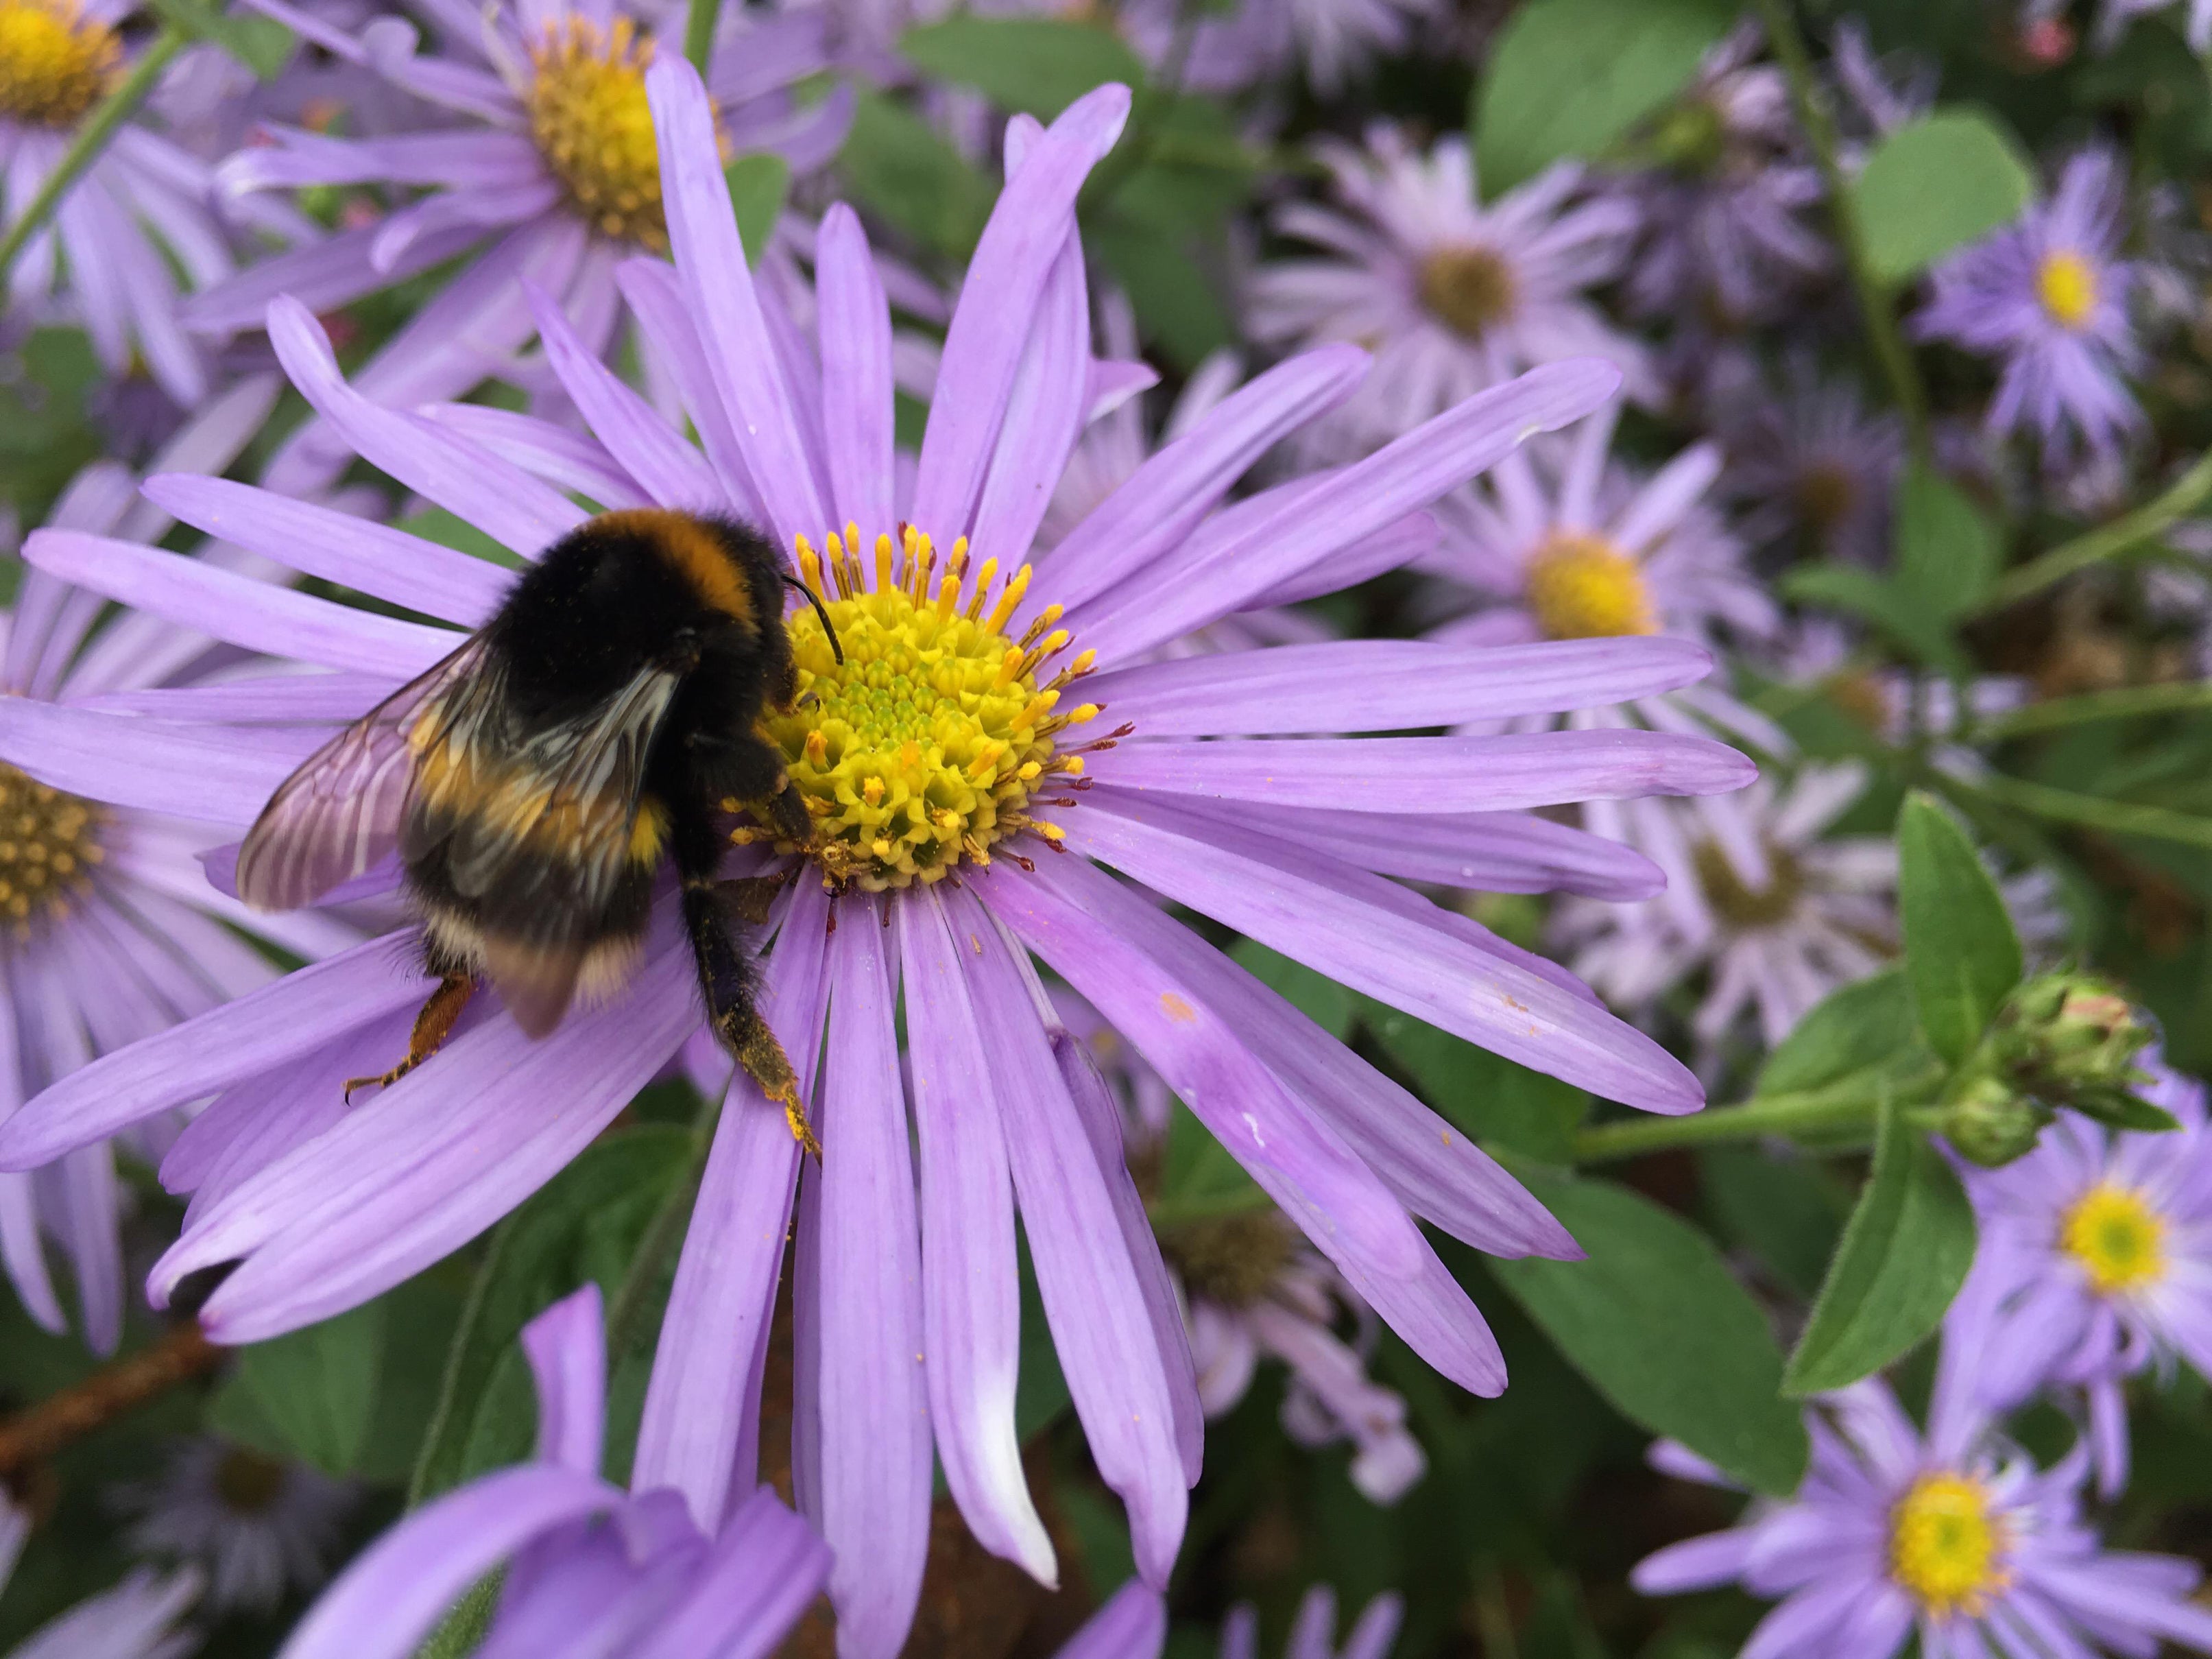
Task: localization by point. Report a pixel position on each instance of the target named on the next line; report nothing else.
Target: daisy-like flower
(1952, 1535)
(1335, 41)
(109, 257)
(963, 812)
(108, 929)
(1452, 294)
(1813, 467)
(590, 1569)
(1313, 1633)
(136, 1619)
(2092, 1258)
(551, 177)
(2048, 299)
(258, 1526)
(1899, 706)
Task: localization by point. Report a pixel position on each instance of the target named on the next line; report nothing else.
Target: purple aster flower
(1451, 294)
(937, 868)
(1335, 41)
(136, 1619)
(2096, 1261)
(2048, 299)
(1953, 1534)
(549, 176)
(1313, 1632)
(590, 1569)
(108, 929)
(109, 257)
(1813, 467)
(259, 1527)
(1898, 705)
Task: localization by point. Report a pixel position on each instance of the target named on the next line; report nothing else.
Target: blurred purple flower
(260, 1527)
(589, 1568)
(1452, 294)
(1313, 1633)
(136, 1619)
(1953, 1535)
(1239, 46)
(797, 436)
(2048, 299)
(1812, 466)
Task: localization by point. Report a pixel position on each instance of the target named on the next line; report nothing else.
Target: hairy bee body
(535, 782)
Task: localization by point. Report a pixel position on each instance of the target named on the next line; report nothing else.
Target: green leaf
(1660, 1327)
(1178, 312)
(434, 524)
(262, 44)
(1039, 65)
(1961, 950)
(1886, 606)
(1784, 1210)
(1200, 1176)
(897, 167)
(1567, 78)
(583, 1224)
(1867, 1023)
(1904, 1254)
(310, 1394)
(1937, 184)
(1488, 1098)
(758, 182)
(1948, 551)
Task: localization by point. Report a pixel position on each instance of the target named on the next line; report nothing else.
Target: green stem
(1873, 295)
(2118, 818)
(2130, 702)
(699, 33)
(2123, 535)
(92, 137)
(1849, 1104)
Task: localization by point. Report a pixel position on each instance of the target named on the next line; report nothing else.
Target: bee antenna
(815, 599)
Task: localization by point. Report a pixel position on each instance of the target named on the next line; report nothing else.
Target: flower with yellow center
(589, 116)
(927, 744)
(2116, 1236)
(1945, 1547)
(2066, 284)
(49, 846)
(54, 63)
(1469, 289)
(1582, 586)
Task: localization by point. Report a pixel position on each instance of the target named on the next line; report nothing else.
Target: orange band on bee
(691, 549)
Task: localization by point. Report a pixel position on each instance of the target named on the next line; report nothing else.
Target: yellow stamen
(50, 843)
(2066, 283)
(2116, 1237)
(1945, 1547)
(54, 62)
(1583, 587)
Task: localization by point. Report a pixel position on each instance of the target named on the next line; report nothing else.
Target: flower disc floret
(1233, 1259)
(54, 63)
(49, 844)
(928, 743)
(2066, 284)
(589, 116)
(1470, 288)
(2116, 1236)
(1583, 587)
(1734, 900)
(1946, 1546)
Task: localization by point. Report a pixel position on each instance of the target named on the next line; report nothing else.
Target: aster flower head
(108, 930)
(545, 171)
(2048, 299)
(260, 1527)
(963, 811)
(1812, 466)
(2093, 1262)
(1951, 1534)
(1452, 294)
(136, 1619)
(590, 1569)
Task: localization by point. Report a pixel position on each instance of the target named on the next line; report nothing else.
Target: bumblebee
(534, 783)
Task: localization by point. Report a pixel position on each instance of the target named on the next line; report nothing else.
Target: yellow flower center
(928, 743)
(2116, 1236)
(49, 843)
(1470, 289)
(1945, 1548)
(54, 64)
(589, 115)
(1827, 493)
(1734, 900)
(2066, 283)
(1583, 587)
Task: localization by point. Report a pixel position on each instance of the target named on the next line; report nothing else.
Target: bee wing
(339, 815)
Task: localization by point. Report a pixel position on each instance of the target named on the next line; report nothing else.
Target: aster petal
(656, 298)
(567, 1347)
(388, 1601)
(260, 617)
(1487, 852)
(161, 766)
(573, 459)
(971, 1302)
(1719, 1558)
(767, 1566)
(1044, 413)
(1132, 1625)
(854, 326)
(873, 1500)
(1385, 685)
(993, 319)
(710, 261)
(323, 276)
(1441, 979)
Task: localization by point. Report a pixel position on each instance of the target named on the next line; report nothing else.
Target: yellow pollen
(54, 63)
(1946, 1549)
(589, 116)
(2116, 1236)
(920, 750)
(1469, 288)
(2066, 283)
(1583, 587)
(49, 847)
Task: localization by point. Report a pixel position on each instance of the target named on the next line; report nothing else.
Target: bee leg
(432, 1027)
(750, 897)
(751, 772)
(727, 980)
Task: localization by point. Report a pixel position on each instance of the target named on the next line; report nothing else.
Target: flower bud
(2070, 1039)
(1991, 1123)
